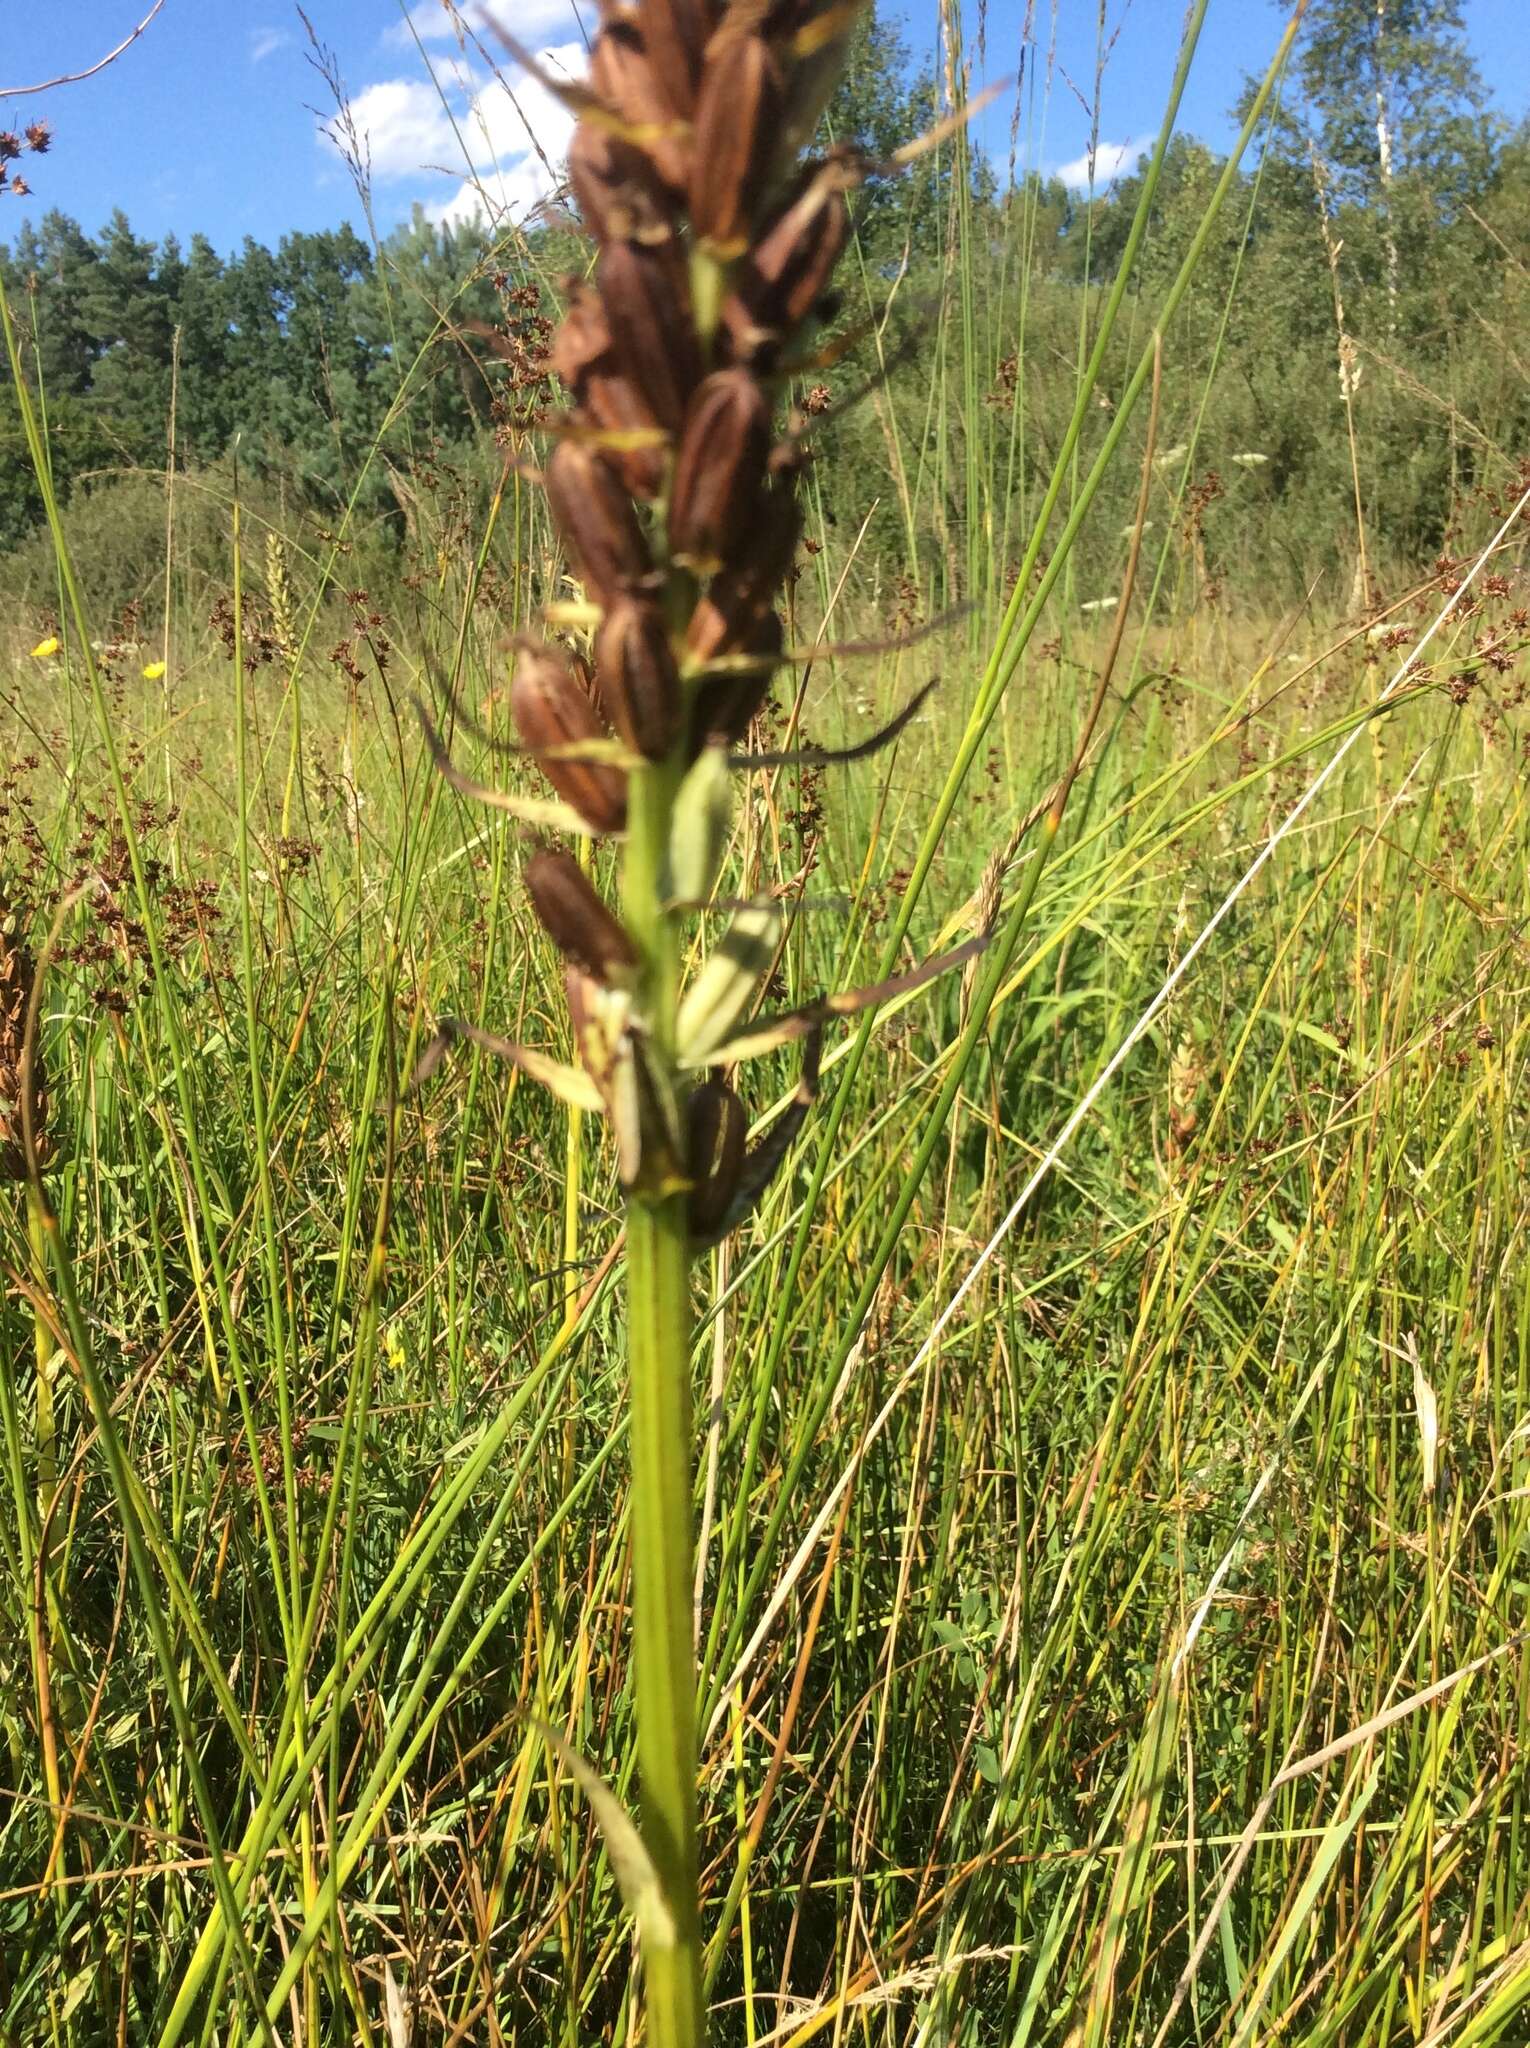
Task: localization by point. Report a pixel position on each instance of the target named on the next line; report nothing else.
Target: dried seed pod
(676, 34)
(629, 85)
(647, 302)
(789, 268)
(730, 611)
(583, 357)
(619, 193)
(738, 118)
(725, 705)
(596, 519)
(17, 977)
(639, 679)
(719, 479)
(578, 923)
(550, 710)
(716, 1127)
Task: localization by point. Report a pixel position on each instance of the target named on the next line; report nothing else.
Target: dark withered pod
(551, 710)
(630, 86)
(676, 34)
(738, 129)
(636, 446)
(725, 705)
(597, 520)
(786, 276)
(639, 679)
(716, 1130)
(719, 477)
(577, 921)
(646, 295)
(620, 195)
(730, 610)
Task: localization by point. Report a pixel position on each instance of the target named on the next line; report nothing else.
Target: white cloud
(403, 125)
(509, 138)
(265, 42)
(1109, 161)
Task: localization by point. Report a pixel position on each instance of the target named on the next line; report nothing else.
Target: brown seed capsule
(725, 705)
(551, 710)
(676, 33)
(716, 1129)
(715, 495)
(629, 85)
(731, 608)
(639, 680)
(607, 400)
(738, 115)
(789, 268)
(596, 519)
(577, 922)
(648, 307)
(619, 193)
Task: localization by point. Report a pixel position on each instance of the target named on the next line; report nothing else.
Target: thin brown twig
(18, 92)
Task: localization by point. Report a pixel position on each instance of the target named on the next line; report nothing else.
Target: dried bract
(716, 1129)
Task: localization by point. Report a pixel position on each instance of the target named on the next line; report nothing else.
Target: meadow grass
(1143, 1659)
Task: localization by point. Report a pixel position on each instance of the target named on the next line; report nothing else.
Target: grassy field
(1114, 1475)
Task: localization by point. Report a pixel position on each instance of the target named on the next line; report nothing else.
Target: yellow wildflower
(154, 671)
(45, 647)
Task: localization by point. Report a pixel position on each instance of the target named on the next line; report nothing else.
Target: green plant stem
(659, 1353)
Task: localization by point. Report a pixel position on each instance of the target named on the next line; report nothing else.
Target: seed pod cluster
(16, 982)
(715, 250)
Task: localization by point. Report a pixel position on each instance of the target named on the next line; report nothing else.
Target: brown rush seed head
(716, 1129)
(551, 710)
(16, 982)
(714, 498)
(648, 307)
(625, 81)
(578, 923)
(639, 680)
(790, 267)
(738, 124)
(597, 521)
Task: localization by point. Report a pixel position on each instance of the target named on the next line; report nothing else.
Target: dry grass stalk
(17, 979)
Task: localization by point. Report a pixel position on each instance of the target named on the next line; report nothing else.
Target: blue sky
(206, 122)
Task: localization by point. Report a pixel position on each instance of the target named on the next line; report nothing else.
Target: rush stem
(662, 1498)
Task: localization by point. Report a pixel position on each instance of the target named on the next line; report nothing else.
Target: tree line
(1347, 368)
